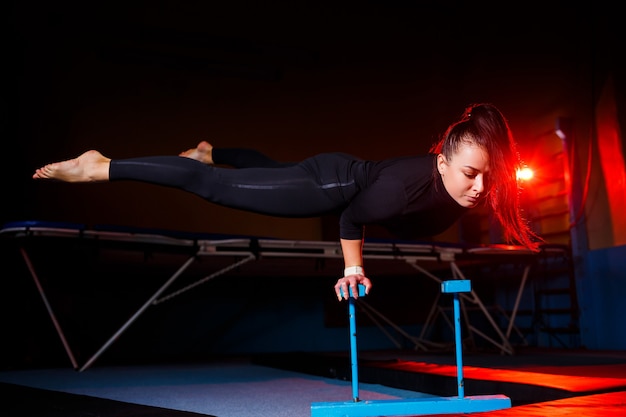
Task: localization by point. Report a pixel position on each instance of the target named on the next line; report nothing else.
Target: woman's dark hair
(485, 126)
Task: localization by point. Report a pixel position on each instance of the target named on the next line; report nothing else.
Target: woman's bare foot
(91, 166)
(202, 152)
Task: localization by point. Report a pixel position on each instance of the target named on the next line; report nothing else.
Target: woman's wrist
(353, 270)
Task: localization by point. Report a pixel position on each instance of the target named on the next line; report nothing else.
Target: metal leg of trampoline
(412, 406)
(55, 322)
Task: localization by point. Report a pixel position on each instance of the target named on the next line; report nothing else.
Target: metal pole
(458, 346)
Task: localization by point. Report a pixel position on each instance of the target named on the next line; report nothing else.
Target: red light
(524, 174)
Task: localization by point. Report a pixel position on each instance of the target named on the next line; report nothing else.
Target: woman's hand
(351, 281)
(353, 274)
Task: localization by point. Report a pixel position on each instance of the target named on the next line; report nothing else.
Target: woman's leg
(234, 157)
(92, 166)
(317, 186)
(246, 158)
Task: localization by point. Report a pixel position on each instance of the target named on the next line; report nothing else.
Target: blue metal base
(411, 406)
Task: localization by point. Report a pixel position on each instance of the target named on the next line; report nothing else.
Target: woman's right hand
(351, 282)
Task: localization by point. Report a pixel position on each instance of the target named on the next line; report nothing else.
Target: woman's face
(464, 174)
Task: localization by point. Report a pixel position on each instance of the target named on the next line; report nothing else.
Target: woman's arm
(353, 272)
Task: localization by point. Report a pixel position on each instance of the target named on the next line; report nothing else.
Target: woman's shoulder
(421, 163)
(421, 158)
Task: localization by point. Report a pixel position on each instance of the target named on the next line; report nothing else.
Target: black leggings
(245, 158)
(318, 185)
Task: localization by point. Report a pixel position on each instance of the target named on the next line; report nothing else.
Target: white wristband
(353, 270)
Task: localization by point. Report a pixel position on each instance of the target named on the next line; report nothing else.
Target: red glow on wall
(612, 161)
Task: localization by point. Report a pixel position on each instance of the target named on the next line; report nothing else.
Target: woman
(475, 160)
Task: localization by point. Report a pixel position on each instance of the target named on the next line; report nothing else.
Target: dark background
(373, 78)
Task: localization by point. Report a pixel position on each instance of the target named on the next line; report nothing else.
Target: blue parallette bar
(456, 286)
(412, 406)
